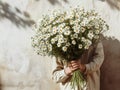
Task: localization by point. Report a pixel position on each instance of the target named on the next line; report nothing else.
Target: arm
(59, 74)
(63, 74)
(97, 61)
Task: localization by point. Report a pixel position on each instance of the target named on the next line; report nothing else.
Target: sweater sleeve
(97, 61)
(59, 75)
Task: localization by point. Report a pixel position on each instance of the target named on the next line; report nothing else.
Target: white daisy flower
(97, 31)
(77, 15)
(58, 44)
(44, 48)
(83, 39)
(54, 30)
(52, 41)
(61, 30)
(60, 36)
(70, 15)
(71, 22)
(64, 48)
(80, 46)
(75, 26)
(88, 42)
(97, 26)
(67, 32)
(47, 42)
(75, 35)
(73, 42)
(90, 35)
(56, 38)
(62, 25)
(76, 22)
(51, 18)
(86, 47)
(72, 37)
(76, 30)
(50, 47)
(105, 27)
(84, 22)
(61, 19)
(61, 40)
(57, 12)
(82, 29)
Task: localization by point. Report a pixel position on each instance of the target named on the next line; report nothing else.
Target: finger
(74, 61)
(75, 66)
(73, 69)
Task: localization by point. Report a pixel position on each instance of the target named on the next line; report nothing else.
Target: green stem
(77, 80)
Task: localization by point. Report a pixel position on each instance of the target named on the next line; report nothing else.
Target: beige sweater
(93, 59)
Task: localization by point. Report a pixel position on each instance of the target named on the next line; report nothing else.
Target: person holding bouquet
(74, 38)
(89, 64)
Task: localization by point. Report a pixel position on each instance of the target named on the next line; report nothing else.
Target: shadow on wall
(20, 19)
(110, 71)
(114, 4)
(56, 1)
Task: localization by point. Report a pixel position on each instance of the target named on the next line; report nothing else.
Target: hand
(74, 65)
(77, 64)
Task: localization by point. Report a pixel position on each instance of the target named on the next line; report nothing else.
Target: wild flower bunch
(67, 34)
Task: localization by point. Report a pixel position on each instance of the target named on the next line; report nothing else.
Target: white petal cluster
(87, 44)
(52, 41)
(67, 31)
(73, 42)
(63, 30)
(90, 35)
(80, 46)
(64, 48)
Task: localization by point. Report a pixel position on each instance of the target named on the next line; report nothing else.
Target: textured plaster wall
(22, 69)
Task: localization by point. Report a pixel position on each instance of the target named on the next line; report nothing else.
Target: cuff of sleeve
(63, 73)
(63, 76)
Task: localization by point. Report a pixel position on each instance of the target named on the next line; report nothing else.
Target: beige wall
(22, 69)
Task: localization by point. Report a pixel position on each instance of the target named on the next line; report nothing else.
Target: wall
(22, 69)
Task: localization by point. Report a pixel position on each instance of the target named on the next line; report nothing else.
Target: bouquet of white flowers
(67, 35)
